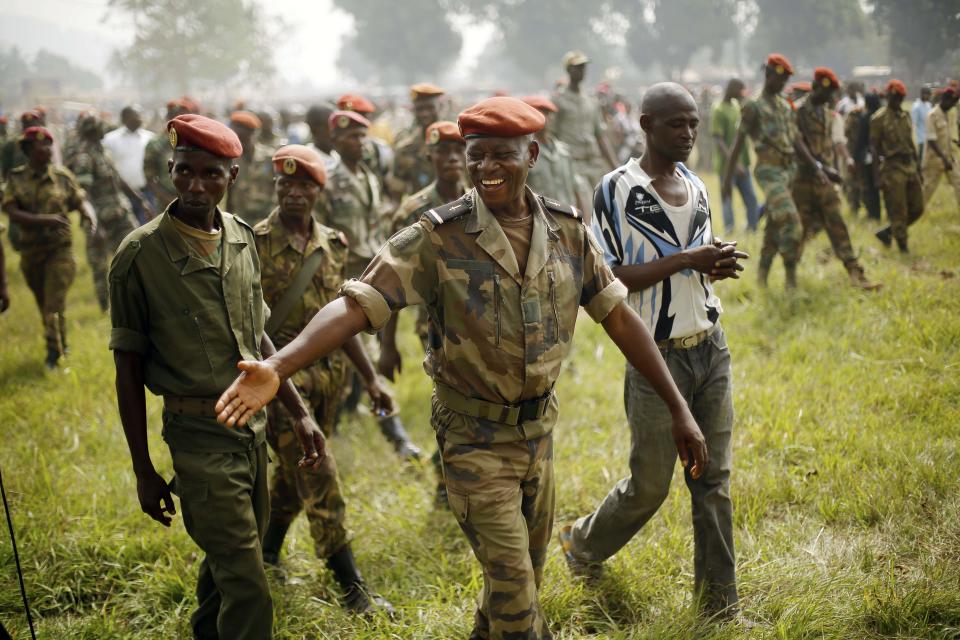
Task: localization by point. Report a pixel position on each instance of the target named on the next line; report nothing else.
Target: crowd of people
(218, 241)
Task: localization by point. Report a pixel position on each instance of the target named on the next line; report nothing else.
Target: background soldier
(818, 202)
(488, 267)
(302, 269)
(553, 175)
(318, 120)
(11, 156)
(156, 156)
(109, 195)
(895, 166)
(251, 196)
(377, 154)
(412, 170)
(939, 158)
(37, 197)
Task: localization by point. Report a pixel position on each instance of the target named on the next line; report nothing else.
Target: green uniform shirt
(502, 335)
(724, 122)
(191, 321)
(891, 134)
(771, 124)
(553, 174)
(815, 124)
(252, 196)
(54, 190)
(351, 204)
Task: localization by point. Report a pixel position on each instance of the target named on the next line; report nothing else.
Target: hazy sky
(75, 28)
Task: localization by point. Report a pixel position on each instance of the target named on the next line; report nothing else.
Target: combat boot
(273, 542)
(902, 245)
(53, 356)
(859, 279)
(357, 597)
(885, 236)
(790, 276)
(392, 429)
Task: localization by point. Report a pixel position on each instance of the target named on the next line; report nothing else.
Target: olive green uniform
(192, 319)
(351, 204)
(156, 155)
(412, 169)
(891, 134)
(96, 173)
(771, 124)
(938, 130)
(252, 195)
(818, 203)
(553, 175)
(577, 123)
(315, 490)
(46, 253)
(503, 337)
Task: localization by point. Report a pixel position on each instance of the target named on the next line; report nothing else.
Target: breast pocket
(472, 301)
(565, 281)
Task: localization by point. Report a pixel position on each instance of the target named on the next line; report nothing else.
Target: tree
(416, 41)
(13, 70)
(51, 65)
(182, 44)
(921, 31)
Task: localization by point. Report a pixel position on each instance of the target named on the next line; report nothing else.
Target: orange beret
(353, 102)
(3, 119)
(500, 117)
(246, 119)
(189, 104)
(38, 134)
(191, 130)
(895, 86)
(779, 62)
(949, 92)
(300, 161)
(800, 86)
(443, 131)
(339, 120)
(424, 90)
(826, 77)
(541, 102)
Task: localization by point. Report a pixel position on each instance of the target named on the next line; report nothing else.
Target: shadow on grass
(21, 371)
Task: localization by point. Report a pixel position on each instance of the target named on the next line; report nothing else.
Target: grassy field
(845, 486)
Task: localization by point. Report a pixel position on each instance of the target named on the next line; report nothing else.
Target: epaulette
(230, 216)
(557, 207)
(126, 253)
(450, 211)
(340, 237)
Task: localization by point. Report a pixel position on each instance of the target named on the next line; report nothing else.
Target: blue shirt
(919, 113)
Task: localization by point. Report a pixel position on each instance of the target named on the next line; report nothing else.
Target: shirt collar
(177, 247)
(280, 236)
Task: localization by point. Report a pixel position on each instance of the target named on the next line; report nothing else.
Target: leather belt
(688, 342)
(200, 407)
(509, 414)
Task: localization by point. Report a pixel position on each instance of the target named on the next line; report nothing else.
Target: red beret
(425, 90)
(30, 116)
(800, 86)
(353, 102)
(38, 134)
(246, 119)
(3, 119)
(443, 131)
(780, 63)
(500, 117)
(949, 92)
(339, 120)
(298, 160)
(541, 102)
(895, 86)
(826, 77)
(191, 130)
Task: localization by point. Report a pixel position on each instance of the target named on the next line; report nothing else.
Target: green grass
(845, 486)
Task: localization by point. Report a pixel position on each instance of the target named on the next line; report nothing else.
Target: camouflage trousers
(783, 233)
(49, 274)
(903, 197)
(502, 495)
(100, 249)
(933, 172)
(820, 209)
(316, 490)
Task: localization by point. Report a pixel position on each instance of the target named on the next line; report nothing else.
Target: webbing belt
(509, 414)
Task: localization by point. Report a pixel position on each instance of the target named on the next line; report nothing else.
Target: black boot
(392, 429)
(53, 356)
(902, 245)
(885, 236)
(273, 542)
(790, 276)
(356, 596)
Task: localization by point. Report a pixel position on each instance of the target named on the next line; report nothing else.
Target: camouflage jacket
(155, 156)
(351, 204)
(772, 125)
(503, 335)
(252, 196)
(412, 169)
(814, 123)
(553, 174)
(413, 207)
(95, 173)
(55, 190)
(891, 134)
(281, 260)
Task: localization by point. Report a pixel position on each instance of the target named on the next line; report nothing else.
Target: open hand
(155, 498)
(250, 392)
(690, 443)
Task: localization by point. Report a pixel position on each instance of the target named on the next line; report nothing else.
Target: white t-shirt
(125, 148)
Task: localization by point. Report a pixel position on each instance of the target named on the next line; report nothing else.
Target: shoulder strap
(281, 312)
(557, 207)
(460, 206)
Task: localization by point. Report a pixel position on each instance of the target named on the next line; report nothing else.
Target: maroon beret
(443, 131)
(298, 160)
(500, 117)
(354, 102)
(779, 63)
(340, 120)
(192, 130)
(826, 77)
(36, 134)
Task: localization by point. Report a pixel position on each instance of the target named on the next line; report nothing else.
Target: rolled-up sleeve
(374, 305)
(601, 289)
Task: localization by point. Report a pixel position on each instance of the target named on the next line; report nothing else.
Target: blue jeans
(745, 186)
(703, 376)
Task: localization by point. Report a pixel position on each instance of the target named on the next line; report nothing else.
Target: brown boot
(859, 279)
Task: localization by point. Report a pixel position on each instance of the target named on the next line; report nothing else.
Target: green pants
(49, 274)
(502, 495)
(820, 209)
(224, 502)
(101, 246)
(314, 490)
(903, 198)
(783, 233)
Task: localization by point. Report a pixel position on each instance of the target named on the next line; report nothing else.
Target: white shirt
(635, 226)
(125, 148)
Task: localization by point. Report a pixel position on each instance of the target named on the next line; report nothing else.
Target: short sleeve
(605, 225)
(601, 290)
(128, 309)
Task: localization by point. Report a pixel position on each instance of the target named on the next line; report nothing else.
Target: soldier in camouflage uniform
(412, 169)
(11, 156)
(37, 197)
(352, 205)
(156, 156)
(108, 193)
(503, 273)
(553, 175)
(251, 196)
(377, 154)
(895, 166)
(818, 202)
(285, 239)
(770, 122)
